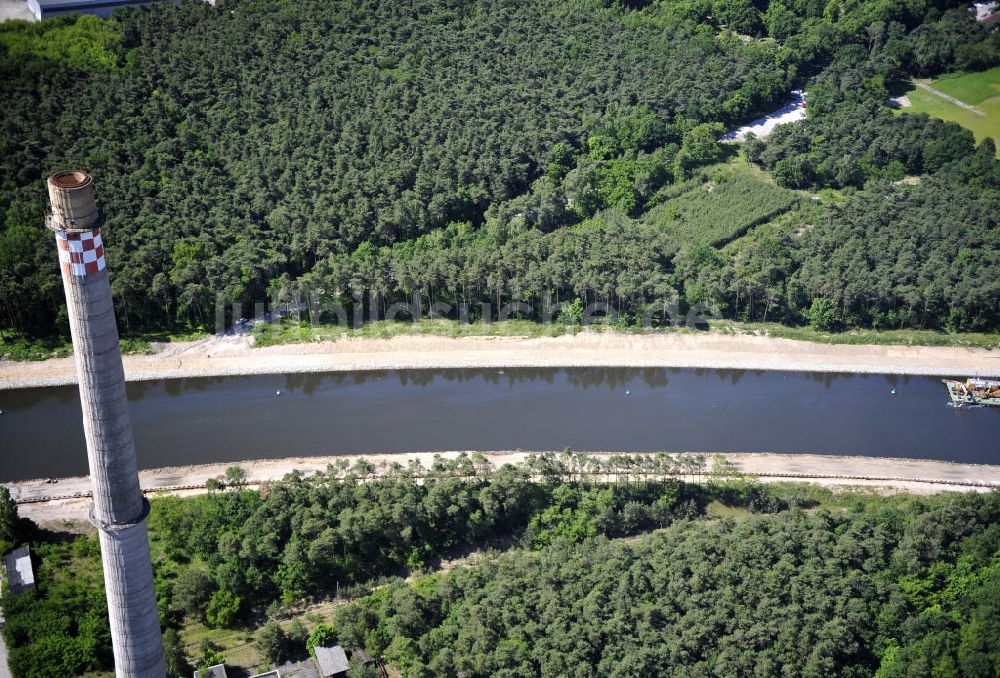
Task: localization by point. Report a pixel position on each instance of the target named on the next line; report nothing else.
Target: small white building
(20, 573)
(984, 10)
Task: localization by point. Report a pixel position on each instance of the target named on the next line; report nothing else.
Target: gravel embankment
(226, 356)
(66, 499)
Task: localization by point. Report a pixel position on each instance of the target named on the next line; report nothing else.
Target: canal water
(192, 421)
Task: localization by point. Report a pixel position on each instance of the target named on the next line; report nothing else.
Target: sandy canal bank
(66, 499)
(222, 356)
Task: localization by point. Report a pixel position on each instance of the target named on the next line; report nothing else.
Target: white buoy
(893, 392)
(627, 392)
(277, 393)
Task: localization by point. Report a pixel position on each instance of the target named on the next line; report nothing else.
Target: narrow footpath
(947, 97)
(4, 670)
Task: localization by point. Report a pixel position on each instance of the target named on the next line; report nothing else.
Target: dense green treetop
(897, 591)
(795, 579)
(252, 147)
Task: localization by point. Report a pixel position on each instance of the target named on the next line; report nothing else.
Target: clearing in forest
(978, 90)
(731, 201)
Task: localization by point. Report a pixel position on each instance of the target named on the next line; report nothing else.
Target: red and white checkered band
(80, 253)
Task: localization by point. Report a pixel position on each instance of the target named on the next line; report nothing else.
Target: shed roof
(217, 671)
(332, 660)
(20, 574)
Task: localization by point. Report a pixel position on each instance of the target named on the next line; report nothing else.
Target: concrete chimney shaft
(119, 510)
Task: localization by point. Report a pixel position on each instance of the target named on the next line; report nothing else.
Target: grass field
(23, 348)
(292, 332)
(972, 88)
(905, 337)
(981, 90)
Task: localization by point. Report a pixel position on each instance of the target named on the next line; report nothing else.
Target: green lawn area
(981, 90)
(885, 337)
(292, 332)
(972, 88)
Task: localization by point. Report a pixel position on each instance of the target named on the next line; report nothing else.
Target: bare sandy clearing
(793, 110)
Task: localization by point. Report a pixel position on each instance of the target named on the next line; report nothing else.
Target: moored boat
(974, 391)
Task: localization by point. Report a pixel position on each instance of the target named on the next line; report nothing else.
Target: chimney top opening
(70, 179)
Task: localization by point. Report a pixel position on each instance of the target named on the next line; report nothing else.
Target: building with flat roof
(332, 661)
(15, 9)
(44, 9)
(20, 574)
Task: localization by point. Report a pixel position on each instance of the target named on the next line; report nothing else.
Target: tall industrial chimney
(119, 510)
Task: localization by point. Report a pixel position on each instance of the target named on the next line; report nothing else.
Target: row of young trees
(892, 256)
